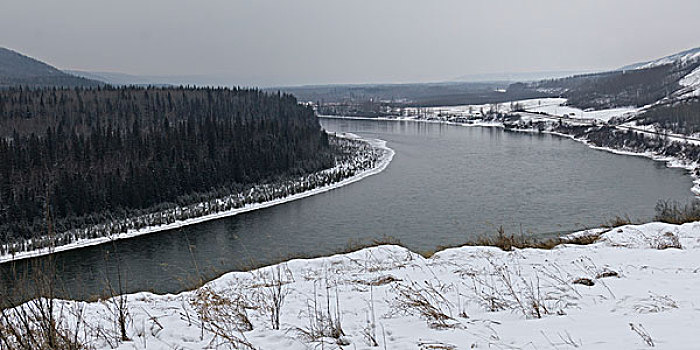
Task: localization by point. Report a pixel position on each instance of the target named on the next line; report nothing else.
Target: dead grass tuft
(673, 212)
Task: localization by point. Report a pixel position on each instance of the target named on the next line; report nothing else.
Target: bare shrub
(655, 303)
(666, 241)
(505, 287)
(324, 320)
(272, 296)
(119, 298)
(41, 322)
(673, 212)
(38, 325)
(509, 242)
(618, 221)
(223, 316)
(426, 300)
(370, 329)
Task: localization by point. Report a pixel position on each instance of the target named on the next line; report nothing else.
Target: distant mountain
(516, 76)
(116, 78)
(19, 70)
(201, 80)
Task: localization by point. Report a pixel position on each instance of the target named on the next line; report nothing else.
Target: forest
(71, 156)
(682, 117)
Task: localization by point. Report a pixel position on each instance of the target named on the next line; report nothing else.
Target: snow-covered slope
(684, 56)
(691, 84)
(638, 285)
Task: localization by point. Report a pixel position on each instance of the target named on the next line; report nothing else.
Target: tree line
(682, 117)
(67, 154)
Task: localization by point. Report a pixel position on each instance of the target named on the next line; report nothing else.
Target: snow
(644, 289)
(603, 115)
(692, 79)
(685, 56)
(388, 155)
(475, 109)
(691, 84)
(552, 106)
(486, 298)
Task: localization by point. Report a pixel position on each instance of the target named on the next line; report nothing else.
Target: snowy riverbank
(549, 111)
(386, 156)
(637, 285)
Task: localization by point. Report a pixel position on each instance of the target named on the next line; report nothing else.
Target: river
(446, 184)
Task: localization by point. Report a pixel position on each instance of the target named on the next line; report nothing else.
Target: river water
(446, 185)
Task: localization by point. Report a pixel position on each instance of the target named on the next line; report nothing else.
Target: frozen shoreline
(670, 162)
(388, 155)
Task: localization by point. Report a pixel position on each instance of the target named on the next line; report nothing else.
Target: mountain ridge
(17, 69)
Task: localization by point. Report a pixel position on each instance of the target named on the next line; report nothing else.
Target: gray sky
(353, 41)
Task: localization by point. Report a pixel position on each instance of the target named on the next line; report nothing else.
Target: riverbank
(540, 121)
(385, 157)
(634, 287)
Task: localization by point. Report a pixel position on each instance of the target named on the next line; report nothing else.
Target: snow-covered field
(638, 285)
(505, 107)
(388, 154)
(576, 113)
(551, 106)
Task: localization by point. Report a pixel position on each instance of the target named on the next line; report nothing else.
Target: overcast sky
(285, 42)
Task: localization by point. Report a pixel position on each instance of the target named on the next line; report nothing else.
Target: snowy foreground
(632, 289)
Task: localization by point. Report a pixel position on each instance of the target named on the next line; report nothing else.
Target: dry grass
(426, 300)
(618, 221)
(324, 319)
(666, 241)
(505, 286)
(672, 212)
(225, 317)
(508, 242)
(30, 317)
(36, 325)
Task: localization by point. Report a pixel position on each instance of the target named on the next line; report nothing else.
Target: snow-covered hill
(683, 56)
(636, 287)
(690, 84)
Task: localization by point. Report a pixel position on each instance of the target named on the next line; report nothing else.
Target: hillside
(19, 70)
(426, 94)
(641, 84)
